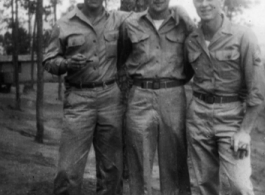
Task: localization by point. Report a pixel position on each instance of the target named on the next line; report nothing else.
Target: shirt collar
(77, 11)
(172, 15)
(225, 28)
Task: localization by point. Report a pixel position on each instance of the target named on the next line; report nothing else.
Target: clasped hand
(240, 143)
(76, 62)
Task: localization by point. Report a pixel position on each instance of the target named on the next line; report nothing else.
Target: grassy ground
(28, 168)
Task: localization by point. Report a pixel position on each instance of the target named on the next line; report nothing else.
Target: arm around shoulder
(181, 13)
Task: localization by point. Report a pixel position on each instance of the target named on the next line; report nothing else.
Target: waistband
(211, 99)
(91, 84)
(157, 83)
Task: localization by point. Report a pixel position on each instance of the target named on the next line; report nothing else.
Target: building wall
(6, 68)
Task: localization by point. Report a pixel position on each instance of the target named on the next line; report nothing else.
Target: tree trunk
(32, 43)
(31, 85)
(15, 53)
(40, 84)
(59, 77)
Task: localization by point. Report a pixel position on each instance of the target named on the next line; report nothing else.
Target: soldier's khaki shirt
(74, 33)
(231, 65)
(156, 53)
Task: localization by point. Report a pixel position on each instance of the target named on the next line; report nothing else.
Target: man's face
(159, 5)
(208, 9)
(93, 4)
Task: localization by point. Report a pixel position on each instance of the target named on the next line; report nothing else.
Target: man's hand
(76, 62)
(179, 11)
(240, 143)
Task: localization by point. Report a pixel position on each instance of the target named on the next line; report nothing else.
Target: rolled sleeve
(120, 16)
(253, 69)
(53, 56)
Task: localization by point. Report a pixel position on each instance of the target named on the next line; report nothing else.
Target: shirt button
(157, 47)
(94, 41)
(95, 54)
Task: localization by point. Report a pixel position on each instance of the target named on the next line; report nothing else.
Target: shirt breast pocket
(228, 63)
(227, 55)
(175, 42)
(174, 46)
(74, 43)
(141, 47)
(111, 39)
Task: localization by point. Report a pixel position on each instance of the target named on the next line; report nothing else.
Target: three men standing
(226, 63)
(228, 71)
(84, 45)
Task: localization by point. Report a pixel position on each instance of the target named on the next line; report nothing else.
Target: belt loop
(81, 84)
(221, 99)
(104, 85)
(149, 83)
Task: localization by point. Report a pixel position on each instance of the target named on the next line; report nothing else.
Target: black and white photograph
(132, 97)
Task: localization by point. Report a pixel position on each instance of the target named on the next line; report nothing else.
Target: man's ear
(222, 2)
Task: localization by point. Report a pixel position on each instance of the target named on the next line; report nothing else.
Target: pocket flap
(139, 37)
(174, 38)
(227, 55)
(111, 36)
(76, 40)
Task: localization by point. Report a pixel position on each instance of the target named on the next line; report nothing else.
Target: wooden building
(7, 71)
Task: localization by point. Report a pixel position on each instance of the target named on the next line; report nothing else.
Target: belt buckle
(210, 99)
(156, 84)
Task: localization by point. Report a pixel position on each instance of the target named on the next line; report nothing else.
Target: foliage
(235, 7)
(29, 7)
(23, 42)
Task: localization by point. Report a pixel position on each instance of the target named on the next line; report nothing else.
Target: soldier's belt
(92, 84)
(211, 99)
(157, 83)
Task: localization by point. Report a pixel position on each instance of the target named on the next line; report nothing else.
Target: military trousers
(209, 131)
(155, 120)
(91, 116)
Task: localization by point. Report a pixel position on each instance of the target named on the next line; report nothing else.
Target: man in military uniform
(84, 46)
(228, 73)
(155, 117)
